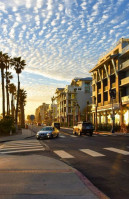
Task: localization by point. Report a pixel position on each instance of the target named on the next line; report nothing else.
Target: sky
(59, 40)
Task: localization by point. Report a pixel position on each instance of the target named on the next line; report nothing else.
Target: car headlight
(48, 133)
(37, 133)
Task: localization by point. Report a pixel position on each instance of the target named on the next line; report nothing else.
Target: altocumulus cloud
(60, 39)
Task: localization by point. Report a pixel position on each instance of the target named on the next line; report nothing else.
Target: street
(103, 159)
(106, 169)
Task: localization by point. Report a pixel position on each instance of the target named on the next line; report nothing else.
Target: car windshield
(87, 124)
(47, 129)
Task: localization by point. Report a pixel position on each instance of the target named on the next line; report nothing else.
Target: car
(83, 128)
(47, 132)
(56, 124)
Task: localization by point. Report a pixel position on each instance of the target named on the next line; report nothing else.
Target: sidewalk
(46, 177)
(26, 133)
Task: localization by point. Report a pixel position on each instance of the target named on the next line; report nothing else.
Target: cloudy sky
(59, 40)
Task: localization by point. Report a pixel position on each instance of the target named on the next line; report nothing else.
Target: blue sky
(59, 39)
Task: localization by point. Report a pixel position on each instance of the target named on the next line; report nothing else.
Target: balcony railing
(99, 90)
(125, 81)
(114, 85)
(106, 88)
(100, 104)
(125, 99)
(125, 64)
(105, 102)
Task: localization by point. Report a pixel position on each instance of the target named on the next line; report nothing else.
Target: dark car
(83, 128)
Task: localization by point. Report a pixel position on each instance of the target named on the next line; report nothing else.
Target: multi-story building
(72, 100)
(110, 86)
(40, 112)
(52, 113)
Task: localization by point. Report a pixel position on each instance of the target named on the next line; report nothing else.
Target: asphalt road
(104, 160)
(106, 169)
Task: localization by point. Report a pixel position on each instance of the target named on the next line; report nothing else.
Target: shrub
(7, 125)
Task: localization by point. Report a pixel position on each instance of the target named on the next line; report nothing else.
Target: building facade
(72, 100)
(40, 112)
(110, 86)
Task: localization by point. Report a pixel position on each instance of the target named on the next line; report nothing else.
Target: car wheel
(74, 132)
(38, 138)
(57, 136)
(91, 133)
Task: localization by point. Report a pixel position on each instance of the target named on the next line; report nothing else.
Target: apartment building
(40, 112)
(110, 86)
(72, 100)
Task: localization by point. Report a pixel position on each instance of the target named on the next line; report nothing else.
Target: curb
(88, 184)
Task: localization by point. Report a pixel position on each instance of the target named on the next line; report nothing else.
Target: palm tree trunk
(16, 116)
(7, 94)
(3, 93)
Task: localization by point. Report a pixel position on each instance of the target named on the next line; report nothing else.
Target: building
(110, 86)
(73, 99)
(40, 112)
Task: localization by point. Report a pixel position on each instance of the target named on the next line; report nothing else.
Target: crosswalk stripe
(117, 150)
(91, 152)
(22, 147)
(18, 145)
(63, 154)
(19, 151)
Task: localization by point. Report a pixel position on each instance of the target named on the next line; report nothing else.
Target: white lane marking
(91, 152)
(19, 151)
(117, 150)
(62, 136)
(73, 136)
(63, 154)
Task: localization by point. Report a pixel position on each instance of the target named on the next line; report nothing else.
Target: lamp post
(113, 96)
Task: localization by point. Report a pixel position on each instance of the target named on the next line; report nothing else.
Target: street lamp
(113, 96)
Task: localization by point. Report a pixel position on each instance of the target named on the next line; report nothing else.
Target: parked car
(83, 128)
(56, 124)
(47, 132)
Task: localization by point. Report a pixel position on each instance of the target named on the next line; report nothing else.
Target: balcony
(99, 90)
(105, 102)
(106, 88)
(125, 99)
(100, 104)
(113, 85)
(125, 81)
(125, 65)
(93, 107)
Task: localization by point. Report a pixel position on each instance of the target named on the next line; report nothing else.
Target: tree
(3, 57)
(22, 103)
(18, 66)
(8, 76)
(12, 90)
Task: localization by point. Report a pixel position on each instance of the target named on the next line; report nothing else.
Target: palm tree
(3, 57)
(22, 103)
(18, 66)
(12, 90)
(8, 76)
